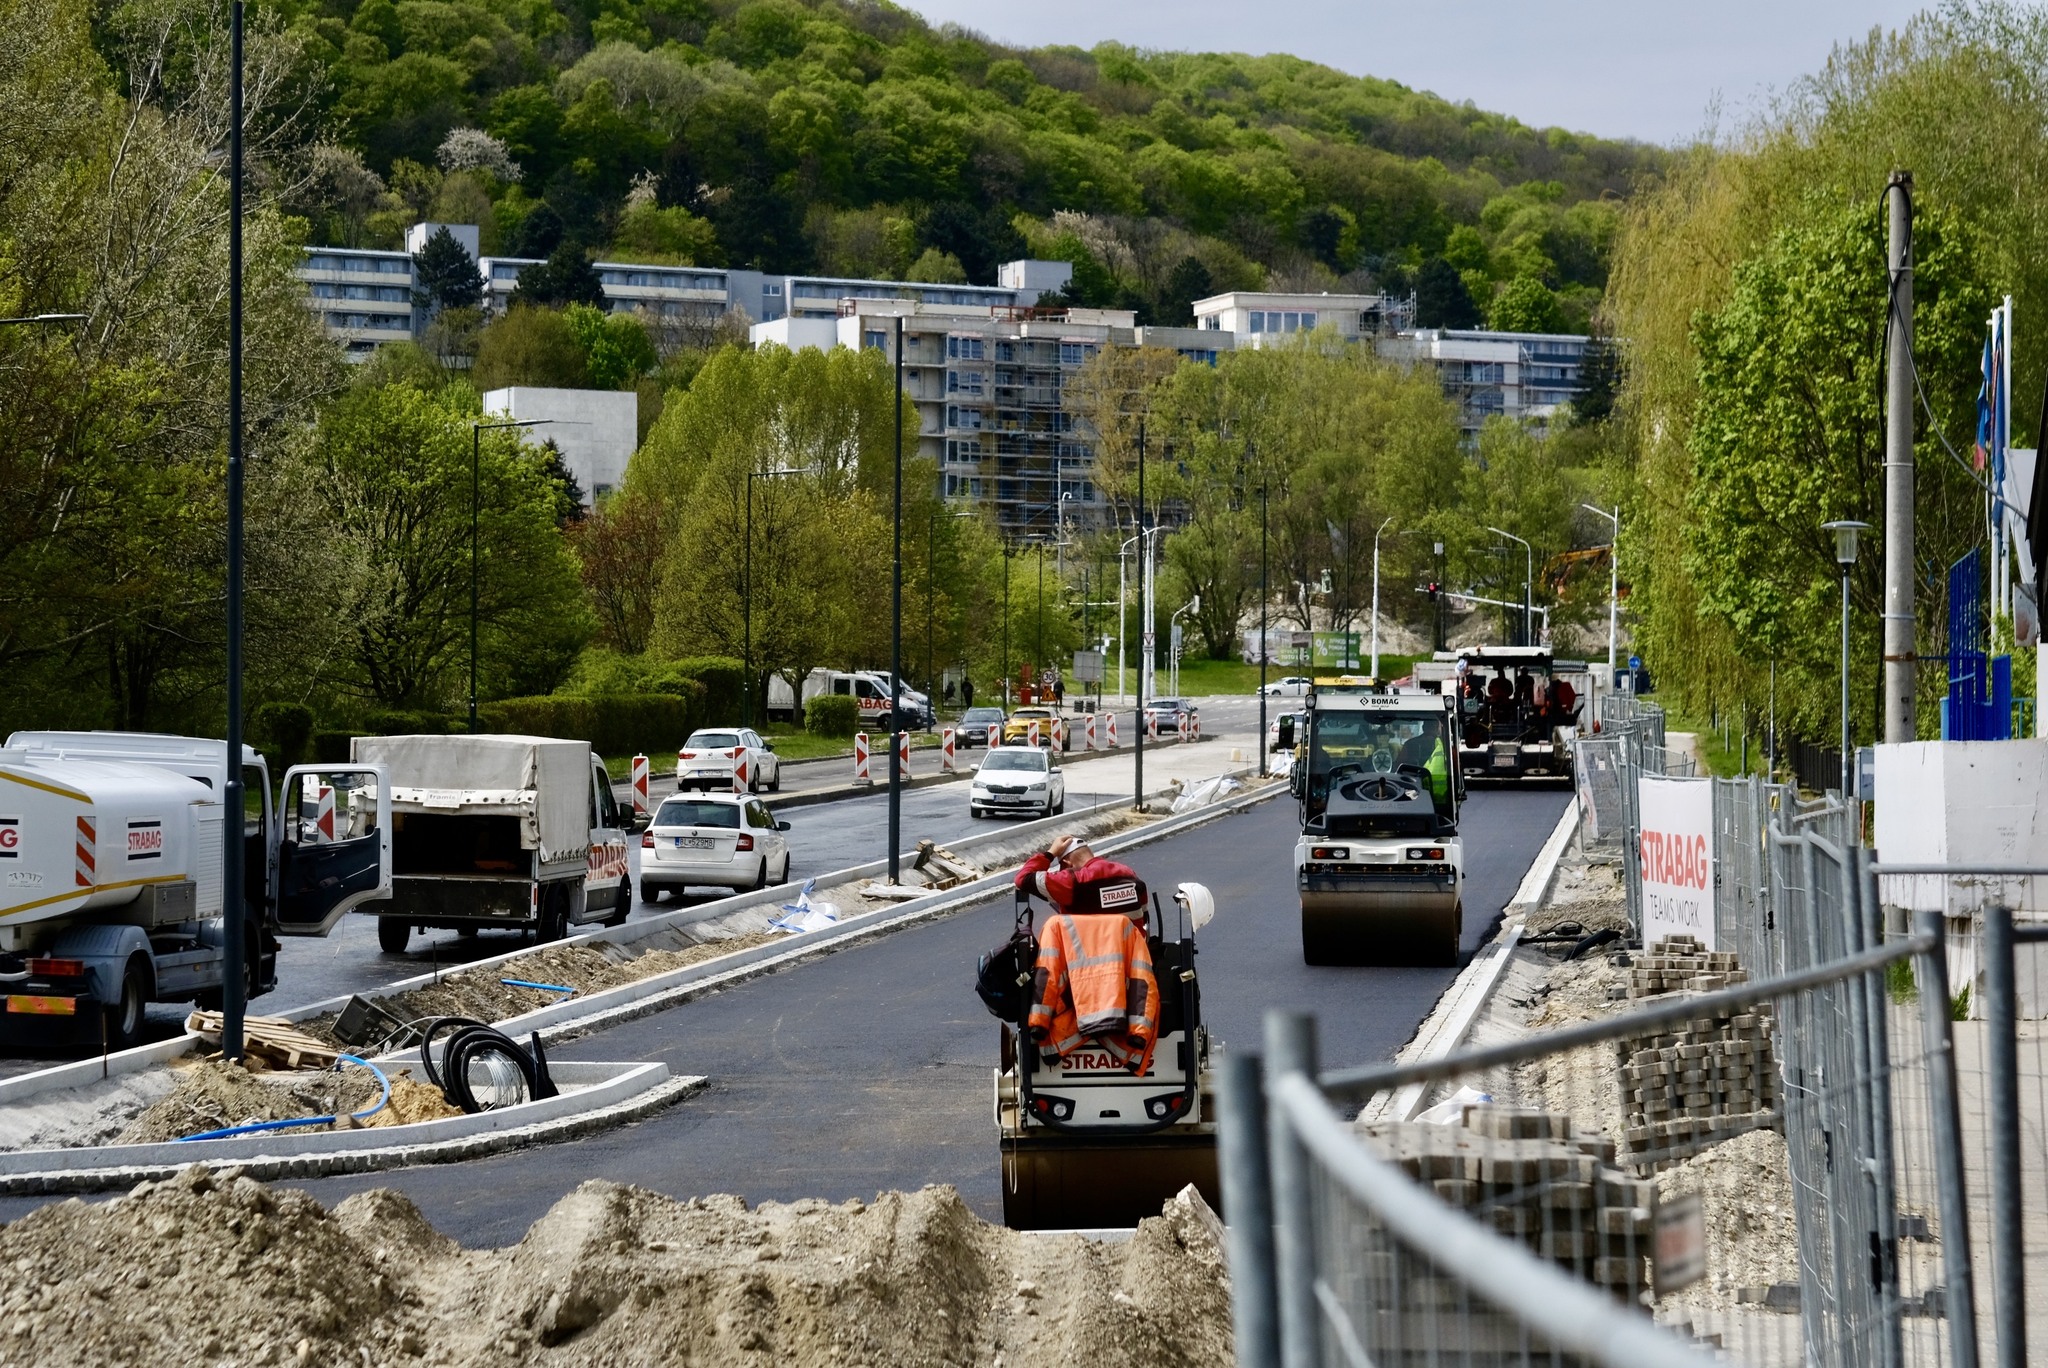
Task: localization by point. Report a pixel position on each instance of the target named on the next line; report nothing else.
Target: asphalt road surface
(870, 1068)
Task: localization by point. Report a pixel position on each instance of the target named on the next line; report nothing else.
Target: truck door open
(334, 850)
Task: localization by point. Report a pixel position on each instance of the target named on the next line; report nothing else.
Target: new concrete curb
(1444, 1030)
(373, 1153)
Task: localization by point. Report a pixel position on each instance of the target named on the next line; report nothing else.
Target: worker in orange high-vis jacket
(1058, 872)
(1093, 983)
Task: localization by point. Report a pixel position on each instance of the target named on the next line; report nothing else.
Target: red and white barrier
(1031, 732)
(1151, 725)
(739, 769)
(946, 751)
(860, 759)
(1195, 727)
(995, 734)
(640, 804)
(903, 756)
(1059, 733)
(1181, 726)
(1088, 732)
(323, 814)
(1110, 734)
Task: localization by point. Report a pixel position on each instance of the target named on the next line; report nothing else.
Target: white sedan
(709, 759)
(1024, 779)
(722, 840)
(1294, 686)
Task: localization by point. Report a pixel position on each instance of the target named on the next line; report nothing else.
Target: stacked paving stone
(1530, 1176)
(1706, 1080)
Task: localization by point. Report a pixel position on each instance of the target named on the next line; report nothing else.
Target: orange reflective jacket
(1093, 985)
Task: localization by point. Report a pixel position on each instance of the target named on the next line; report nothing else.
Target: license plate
(42, 1006)
(693, 843)
(1504, 762)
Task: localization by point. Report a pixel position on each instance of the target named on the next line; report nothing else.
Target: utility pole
(896, 633)
(1145, 664)
(1264, 649)
(1900, 663)
(234, 995)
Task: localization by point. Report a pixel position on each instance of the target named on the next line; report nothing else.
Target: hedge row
(619, 724)
(835, 715)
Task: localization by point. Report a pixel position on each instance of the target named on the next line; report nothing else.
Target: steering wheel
(1383, 761)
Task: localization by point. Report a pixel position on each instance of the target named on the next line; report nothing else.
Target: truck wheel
(125, 1018)
(554, 917)
(392, 934)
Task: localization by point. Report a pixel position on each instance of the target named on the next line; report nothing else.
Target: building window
(964, 418)
(874, 339)
(964, 348)
(966, 382)
(963, 450)
(1196, 354)
(1074, 353)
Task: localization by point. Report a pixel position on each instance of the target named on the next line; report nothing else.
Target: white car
(1024, 779)
(724, 840)
(708, 759)
(1294, 686)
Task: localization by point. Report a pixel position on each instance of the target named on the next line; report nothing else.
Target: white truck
(111, 894)
(1379, 864)
(518, 832)
(869, 690)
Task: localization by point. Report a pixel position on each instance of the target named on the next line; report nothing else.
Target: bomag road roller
(1086, 1143)
(1379, 865)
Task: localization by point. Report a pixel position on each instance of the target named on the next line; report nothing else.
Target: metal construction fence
(1629, 744)
(1802, 1148)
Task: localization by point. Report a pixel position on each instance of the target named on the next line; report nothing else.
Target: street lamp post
(1377, 534)
(476, 431)
(747, 590)
(1265, 649)
(1845, 556)
(1613, 582)
(896, 631)
(1528, 580)
(234, 906)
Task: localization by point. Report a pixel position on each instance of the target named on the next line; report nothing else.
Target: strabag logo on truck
(10, 838)
(146, 840)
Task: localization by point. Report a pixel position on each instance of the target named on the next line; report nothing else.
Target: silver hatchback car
(725, 840)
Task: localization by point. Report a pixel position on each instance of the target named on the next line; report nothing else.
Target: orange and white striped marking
(1110, 732)
(860, 759)
(323, 812)
(946, 738)
(87, 853)
(903, 755)
(640, 776)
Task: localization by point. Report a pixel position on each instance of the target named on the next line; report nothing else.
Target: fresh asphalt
(870, 1068)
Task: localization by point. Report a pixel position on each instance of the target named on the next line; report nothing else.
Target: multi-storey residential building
(990, 385)
(1254, 316)
(363, 298)
(1524, 376)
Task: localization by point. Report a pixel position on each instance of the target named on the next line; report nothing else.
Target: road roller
(1379, 864)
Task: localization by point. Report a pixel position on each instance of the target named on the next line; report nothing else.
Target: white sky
(1645, 69)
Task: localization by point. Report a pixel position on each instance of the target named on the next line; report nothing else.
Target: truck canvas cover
(542, 780)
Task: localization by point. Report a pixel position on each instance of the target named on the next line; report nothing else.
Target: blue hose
(544, 987)
(255, 1126)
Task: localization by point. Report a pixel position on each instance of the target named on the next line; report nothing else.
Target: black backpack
(1002, 980)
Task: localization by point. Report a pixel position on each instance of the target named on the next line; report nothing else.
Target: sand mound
(197, 1269)
(214, 1094)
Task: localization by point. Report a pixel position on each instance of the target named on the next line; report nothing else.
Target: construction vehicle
(497, 833)
(1086, 1144)
(1379, 865)
(1519, 708)
(111, 894)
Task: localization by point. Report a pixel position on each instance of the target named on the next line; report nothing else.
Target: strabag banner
(1675, 855)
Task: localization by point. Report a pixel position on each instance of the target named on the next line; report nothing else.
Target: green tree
(1441, 299)
(397, 465)
(1525, 305)
(445, 274)
(566, 277)
(526, 345)
(936, 267)
(616, 348)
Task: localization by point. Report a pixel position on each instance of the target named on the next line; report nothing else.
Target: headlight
(1038, 788)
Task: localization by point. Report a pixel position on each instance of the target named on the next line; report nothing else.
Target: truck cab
(1379, 864)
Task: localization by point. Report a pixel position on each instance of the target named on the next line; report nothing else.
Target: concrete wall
(596, 430)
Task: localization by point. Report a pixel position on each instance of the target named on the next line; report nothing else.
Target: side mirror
(767, 745)
(782, 826)
(641, 821)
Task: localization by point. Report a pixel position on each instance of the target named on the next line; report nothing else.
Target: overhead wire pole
(1265, 649)
(896, 634)
(1900, 660)
(234, 911)
(1144, 661)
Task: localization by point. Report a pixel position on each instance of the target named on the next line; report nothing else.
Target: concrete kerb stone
(361, 1157)
(1445, 1029)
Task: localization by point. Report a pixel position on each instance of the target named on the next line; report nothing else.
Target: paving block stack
(1529, 1175)
(1705, 1081)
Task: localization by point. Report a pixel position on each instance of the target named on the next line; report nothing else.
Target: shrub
(412, 722)
(284, 730)
(832, 715)
(619, 724)
(723, 679)
(331, 747)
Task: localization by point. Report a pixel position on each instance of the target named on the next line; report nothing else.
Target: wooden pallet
(271, 1039)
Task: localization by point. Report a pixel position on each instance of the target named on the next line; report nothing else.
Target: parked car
(1284, 730)
(975, 722)
(1169, 711)
(725, 840)
(1294, 686)
(1024, 779)
(708, 759)
(1017, 730)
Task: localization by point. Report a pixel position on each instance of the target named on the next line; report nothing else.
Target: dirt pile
(215, 1270)
(214, 1094)
(1745, 1188)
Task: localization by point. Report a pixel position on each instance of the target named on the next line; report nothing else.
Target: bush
(832, 715)
(284, 730)
(724, 680)
(331, 747)
(619, 724)
(408, 722)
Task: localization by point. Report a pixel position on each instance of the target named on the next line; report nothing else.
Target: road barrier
(1031, 732)
(1180, 726)
(1088, 733)
(1151, 725)
(860, 759)
(323, 814)
(640, 773)
(1059, 733)
(740, 773)
(946, 765)
(1110, 732)
(903, 756)
(995, 734)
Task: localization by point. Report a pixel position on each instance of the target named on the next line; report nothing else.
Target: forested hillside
(850, 137)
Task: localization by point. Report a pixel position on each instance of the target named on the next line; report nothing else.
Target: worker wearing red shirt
(1055, 872)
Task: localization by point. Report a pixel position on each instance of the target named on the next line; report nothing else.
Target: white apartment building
(1525, 376)
(596, 431)
(1253, 316)
(364, 299)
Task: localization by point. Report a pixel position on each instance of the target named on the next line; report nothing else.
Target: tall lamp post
(1265, 648)
(1613, 582)
(234, 907)
(747, 591)
(476, 432)
(896, 630)
(1845, 556)
(1528, 580)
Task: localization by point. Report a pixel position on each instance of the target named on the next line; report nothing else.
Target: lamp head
(1845, 539)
